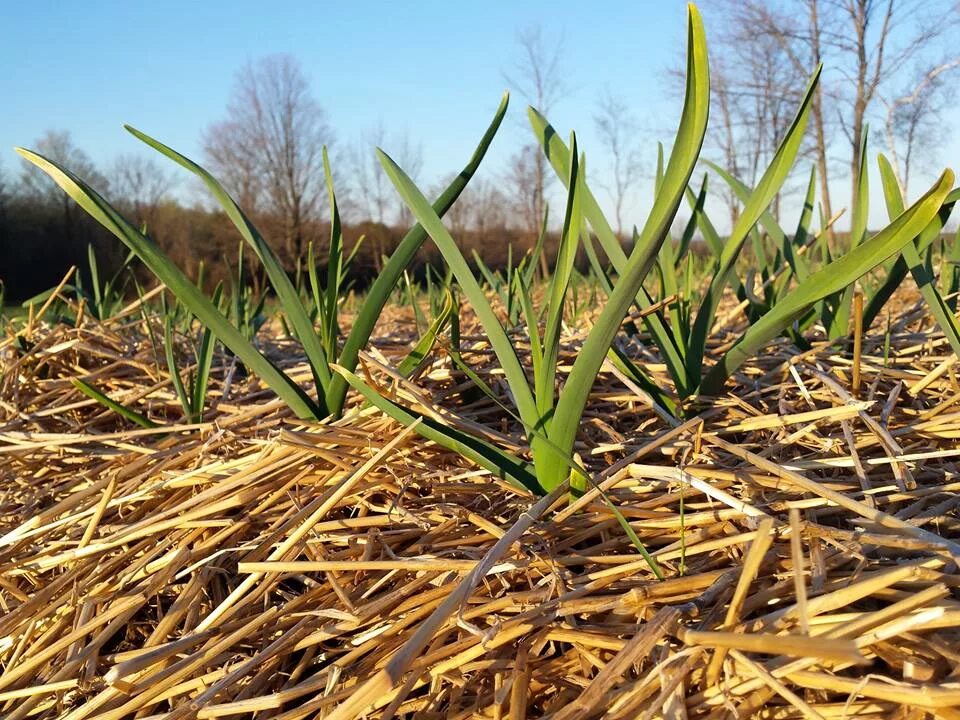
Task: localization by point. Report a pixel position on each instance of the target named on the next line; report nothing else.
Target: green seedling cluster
(318, 345)
(193, 394)
(658, 292)
(103, 299)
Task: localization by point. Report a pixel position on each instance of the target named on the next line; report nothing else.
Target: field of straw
(255, 565)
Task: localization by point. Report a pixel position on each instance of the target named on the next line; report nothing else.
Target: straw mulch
(257, 566)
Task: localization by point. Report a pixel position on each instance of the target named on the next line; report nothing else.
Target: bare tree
(755, 89)
(487, 207)
(479, 212)
(57, 145)
(373, 187)
(524, 180)
(882, 38)
(539, 78)
(618, 133)
(377, 197)
(865, 45)
(765, 52)
(409, 156)
(269, 149)
(377, 200)
(460, 215)
(914, 120)
(236, 165)
(141, 185)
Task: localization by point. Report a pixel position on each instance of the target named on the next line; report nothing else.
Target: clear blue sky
(432, 69)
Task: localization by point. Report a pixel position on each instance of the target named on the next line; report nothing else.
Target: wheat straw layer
(253, 566)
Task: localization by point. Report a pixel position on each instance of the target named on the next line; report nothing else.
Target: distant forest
(887, 63)
(43, 232)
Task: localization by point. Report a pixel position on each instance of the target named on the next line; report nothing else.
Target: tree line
(889, 65)
(886, 61)
(43, 232)
(268, 153)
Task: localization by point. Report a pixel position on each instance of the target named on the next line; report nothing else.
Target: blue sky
(432, 69)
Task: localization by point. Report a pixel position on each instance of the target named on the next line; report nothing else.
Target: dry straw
(255, 565)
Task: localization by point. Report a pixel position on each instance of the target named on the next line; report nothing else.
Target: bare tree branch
(618, 133)
(140, 185)
(865, 46)
(916, 115)
(36, 185)
(269, 150)
(538, 77)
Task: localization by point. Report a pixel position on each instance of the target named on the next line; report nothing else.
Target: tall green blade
(172, 368)
(533, 260)
(559, 156)
(185, 291)
(600, 273)
(921, 272)
(497, 336)
(316, 291)
(831, 279)
(744, 193)
(289, 298)
(898, 270)
(861, 208)
(691, 226)
(559, 283)
(379, 293)
(798, 263)
(637, 375)
(753, 209)
(331, 329)
(489, 276)
(204, 363)
(838, 323)
(670, 286)
(772, 228)
(531, 318)
(125, 412)
(683, 158)
(707, 229)
(95, 281)
(951, 255)
(658, 175)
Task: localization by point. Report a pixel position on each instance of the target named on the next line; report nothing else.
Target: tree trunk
(820, 130)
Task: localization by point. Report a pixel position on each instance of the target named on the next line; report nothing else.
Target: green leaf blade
(168, 273)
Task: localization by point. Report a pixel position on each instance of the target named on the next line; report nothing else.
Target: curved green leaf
(760, 199)
(899, 269)
(497, 336)
(559, 283)
(911, 255)
(683, 159)
(379, 293)
(559, 156)
(178, 283)
(423, 347)
(125, 412)
(833, 278)
(486, 455)
(287, 294)
(837, 320)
